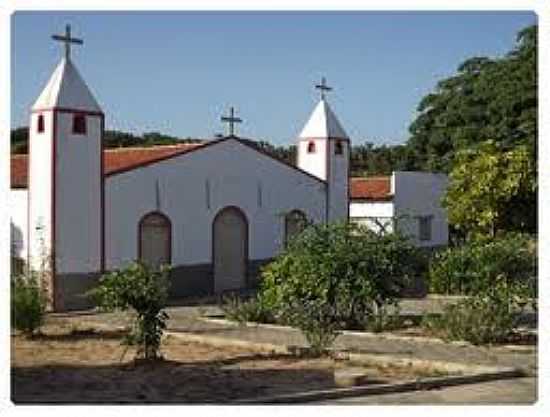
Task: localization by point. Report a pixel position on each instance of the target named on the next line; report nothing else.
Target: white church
(215, 211)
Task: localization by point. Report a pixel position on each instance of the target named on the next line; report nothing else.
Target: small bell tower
(65, 216)
(324, 151)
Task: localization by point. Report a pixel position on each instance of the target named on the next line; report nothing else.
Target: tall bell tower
(324, 151)
(65, 207)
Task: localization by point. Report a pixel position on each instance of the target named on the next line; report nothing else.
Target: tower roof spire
(66, 88)
(67, 40)
(323, 87)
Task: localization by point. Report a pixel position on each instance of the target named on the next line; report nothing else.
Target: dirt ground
(72, 365)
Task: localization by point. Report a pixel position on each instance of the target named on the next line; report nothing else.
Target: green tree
(487, 99)
(492, 190)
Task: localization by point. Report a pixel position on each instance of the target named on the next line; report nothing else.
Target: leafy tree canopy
(488, 99)
(492, 190)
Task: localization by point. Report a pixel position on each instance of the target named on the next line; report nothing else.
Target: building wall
(338, 181)
(78, 196)
(18, 222)
(314, 163)
(368, 213)
(191, 189)
(419, 194)
(40, 188)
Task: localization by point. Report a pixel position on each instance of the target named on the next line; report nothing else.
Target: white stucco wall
(237, 175)
(368, 212)
(40, 189)
(78, 196)
(419, 194)
(338, 181)
(18, 222)
(315, 163)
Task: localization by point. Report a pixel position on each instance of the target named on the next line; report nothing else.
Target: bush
(28, 303)
(475, 266)
(243, 311)
(488, 317)
(144, 291)
(336, 275)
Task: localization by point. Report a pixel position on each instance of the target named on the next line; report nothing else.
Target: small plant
(28, 303)
(318, 322)
(144, 291)
(488, 317)
(383, 320)
(241, 311)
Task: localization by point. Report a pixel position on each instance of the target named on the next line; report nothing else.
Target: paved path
(523, 390)
(514, 391)
(191, 319)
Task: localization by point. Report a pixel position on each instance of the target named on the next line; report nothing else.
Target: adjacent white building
(214, 211)
(408, 201)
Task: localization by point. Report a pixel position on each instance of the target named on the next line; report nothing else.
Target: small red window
(40, 125)
(311, 147)
(79, 124)
(338, 148)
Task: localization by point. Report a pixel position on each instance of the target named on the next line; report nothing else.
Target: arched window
(311, 147)
(338, 148)
(40, 124)
(295, 223)
(79, 124)
(155, 239)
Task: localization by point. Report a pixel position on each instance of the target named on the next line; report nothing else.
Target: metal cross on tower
(67, 39)
(323, 87)
(231, 120)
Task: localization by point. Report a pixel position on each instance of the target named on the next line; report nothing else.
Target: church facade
(214, 211)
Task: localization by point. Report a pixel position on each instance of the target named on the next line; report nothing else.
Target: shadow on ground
(163, 382)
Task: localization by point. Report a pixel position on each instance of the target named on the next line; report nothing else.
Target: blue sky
(178, 72)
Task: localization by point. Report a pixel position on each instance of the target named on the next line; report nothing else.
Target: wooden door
(230, 247)
(155, 235)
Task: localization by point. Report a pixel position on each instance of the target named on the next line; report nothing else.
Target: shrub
(336, 275)
(488, 317)
(243, 311)
(475, 266)
(28, 303)
(144, 291)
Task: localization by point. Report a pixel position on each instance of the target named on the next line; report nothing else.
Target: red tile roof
(115, 160)
(371, 188)
(123, 159)
(19, 171)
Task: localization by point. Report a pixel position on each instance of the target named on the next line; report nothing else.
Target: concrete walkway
(511, 391)
(193, 320)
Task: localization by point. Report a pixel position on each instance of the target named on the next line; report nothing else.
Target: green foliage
(28, 303)
(19, 140)
(334, 276)
(487, 99)
(492, 190)
(475, 266)
(144, 291)
(368, 159)
(490, 316)
(252, 310)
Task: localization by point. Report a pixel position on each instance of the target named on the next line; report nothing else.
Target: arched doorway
(155, 236)
(295, 223)
(230, 249)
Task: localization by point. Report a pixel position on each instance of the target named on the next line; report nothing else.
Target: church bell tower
(324, 151)
(65, 207)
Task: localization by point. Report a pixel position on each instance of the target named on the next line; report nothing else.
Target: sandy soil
(71, 365)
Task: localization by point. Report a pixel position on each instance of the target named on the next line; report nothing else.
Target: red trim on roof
(119, 160)
(371, 189)
(68, 110)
